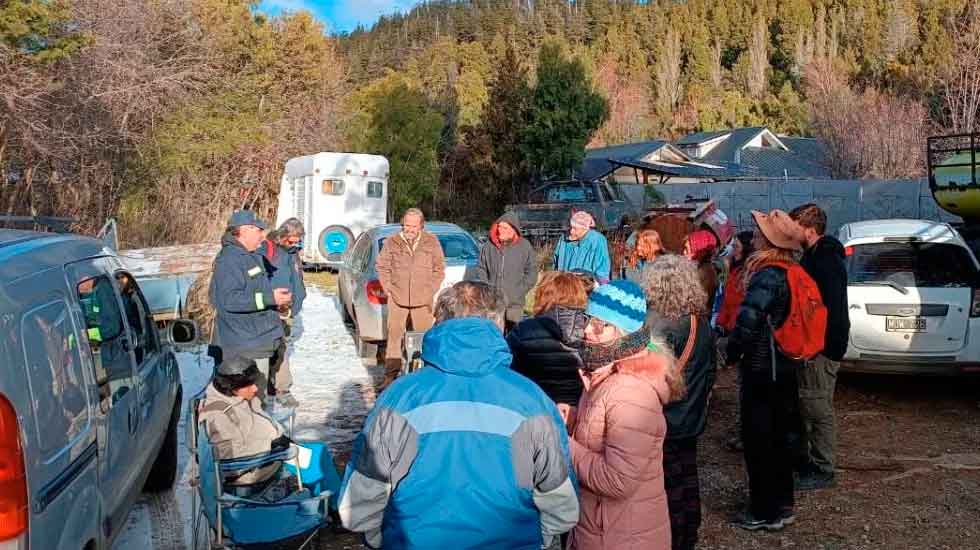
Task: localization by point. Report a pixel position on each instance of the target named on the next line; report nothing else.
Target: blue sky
(339, 15)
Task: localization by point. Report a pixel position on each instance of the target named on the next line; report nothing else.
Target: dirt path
(908, 474)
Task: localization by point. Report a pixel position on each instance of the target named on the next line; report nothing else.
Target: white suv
(913, 289)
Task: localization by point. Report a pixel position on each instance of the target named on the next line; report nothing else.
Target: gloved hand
(281, 443)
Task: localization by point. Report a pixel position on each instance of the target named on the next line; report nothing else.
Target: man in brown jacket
(411, 268)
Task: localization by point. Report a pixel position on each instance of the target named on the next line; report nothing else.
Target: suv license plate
(905, 324)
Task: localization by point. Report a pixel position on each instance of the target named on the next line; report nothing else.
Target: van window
(138, 318)
(911, 264)
(51, 350)
(106, 337)
(333, 187)
(375, 189)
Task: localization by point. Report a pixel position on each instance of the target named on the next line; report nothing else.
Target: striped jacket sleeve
(383, 453)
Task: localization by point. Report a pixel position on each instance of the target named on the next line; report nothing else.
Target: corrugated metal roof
(632, 151)
(725, 151)
(679, 169)
(776, 163)
(593, 169)
(700, 137)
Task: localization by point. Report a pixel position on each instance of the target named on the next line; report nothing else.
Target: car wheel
(344, 312)
(164, 471)
(366, 350)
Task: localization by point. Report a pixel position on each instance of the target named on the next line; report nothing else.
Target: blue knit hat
(620, 303)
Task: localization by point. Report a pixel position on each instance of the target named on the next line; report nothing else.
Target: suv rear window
(454, 246)
(911, 264)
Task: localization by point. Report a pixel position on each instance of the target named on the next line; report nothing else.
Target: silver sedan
(362, 299)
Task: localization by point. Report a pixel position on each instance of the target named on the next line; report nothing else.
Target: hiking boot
(815, 480)
(747, 521)
(393, 367)
(787, 516)
(286, 399)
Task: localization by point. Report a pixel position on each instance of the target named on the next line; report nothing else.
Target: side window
(375, 189)
(106, 336)
(333, 187)
(51, 350)
(137, 317)
(607, 196)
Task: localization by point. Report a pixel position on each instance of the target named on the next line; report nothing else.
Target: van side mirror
(181, 331)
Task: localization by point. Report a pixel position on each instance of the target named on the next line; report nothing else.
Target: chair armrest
(244, 464)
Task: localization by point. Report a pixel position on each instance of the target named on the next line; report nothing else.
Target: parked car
(913, 297)
(363, 299)
(89, 396)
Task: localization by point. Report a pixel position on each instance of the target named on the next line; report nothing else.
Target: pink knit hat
(583, 219)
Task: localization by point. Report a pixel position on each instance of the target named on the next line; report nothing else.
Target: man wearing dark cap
(246, 304)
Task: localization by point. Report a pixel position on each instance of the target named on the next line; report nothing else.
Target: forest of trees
(168, 113)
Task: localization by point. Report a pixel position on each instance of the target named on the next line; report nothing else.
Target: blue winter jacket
(590, 253)
(247, 321)
(287, 272)
(464, 453)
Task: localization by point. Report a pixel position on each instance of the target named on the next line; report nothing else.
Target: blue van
(89, 394)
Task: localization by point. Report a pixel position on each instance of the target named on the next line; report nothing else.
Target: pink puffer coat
(617, 451)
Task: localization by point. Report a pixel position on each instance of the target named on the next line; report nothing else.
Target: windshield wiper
(892, 284)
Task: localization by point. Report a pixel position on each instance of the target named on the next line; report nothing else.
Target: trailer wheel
(334, 241)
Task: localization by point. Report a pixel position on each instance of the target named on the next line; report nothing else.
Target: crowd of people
(577, 426)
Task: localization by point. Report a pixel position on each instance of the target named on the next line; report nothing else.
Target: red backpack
(801, 336)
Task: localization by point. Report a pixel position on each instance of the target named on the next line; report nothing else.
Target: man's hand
(282, 296)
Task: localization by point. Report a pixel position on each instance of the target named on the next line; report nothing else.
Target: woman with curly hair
(769, 396)
(647, 249)
(676, 314)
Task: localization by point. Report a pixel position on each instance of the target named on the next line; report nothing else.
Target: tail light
(376, 293)
(13, 481)
(975, 303)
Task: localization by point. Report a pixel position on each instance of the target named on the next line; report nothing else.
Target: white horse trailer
(337, 196)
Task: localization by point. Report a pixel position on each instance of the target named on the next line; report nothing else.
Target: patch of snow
(335, 389)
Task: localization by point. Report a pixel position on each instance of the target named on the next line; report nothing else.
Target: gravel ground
(909, 456)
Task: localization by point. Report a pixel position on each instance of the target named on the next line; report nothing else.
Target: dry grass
(326, 280)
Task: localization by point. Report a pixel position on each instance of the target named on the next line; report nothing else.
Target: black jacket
(825, 263)
(545, 350)
(512, 267)
(766, 301)
(687, 418)
(241, 292)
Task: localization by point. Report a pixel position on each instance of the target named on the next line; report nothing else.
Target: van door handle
(129, 417)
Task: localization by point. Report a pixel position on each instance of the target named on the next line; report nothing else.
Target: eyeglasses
(598, 325)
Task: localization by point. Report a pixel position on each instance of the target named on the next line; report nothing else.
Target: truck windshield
(911, 265)
(566, 192)
(455, 246)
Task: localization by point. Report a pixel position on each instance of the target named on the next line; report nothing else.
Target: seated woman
(239, 428)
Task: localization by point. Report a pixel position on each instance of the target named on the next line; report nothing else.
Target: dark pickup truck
(546, 214)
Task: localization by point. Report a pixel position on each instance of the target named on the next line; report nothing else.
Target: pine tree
(563, 115)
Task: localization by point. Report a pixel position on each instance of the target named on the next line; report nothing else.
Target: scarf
(596, 356)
